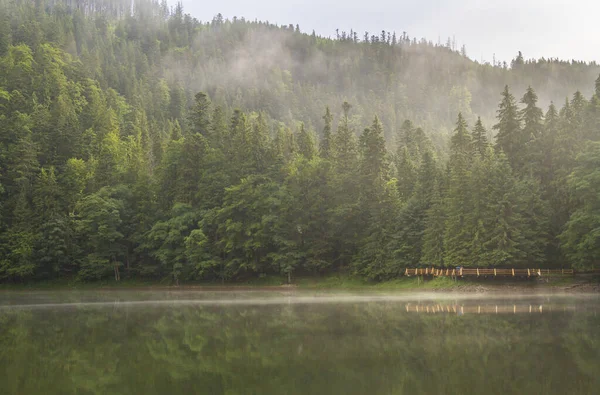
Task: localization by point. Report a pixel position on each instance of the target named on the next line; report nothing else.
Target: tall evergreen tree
(532, 121)
(580, 239)
(457, 234)
(435, 226)
(479, 138)
(509, 138)
(325, 145)
(306, 143)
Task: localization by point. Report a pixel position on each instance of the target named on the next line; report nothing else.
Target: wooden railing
(478, 272)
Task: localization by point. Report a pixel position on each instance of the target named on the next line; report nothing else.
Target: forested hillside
(136, 141)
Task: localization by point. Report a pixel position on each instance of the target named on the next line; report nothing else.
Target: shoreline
(569, 285)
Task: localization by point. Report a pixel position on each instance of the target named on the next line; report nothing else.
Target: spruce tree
(325, 144)
(479, 138)
(509, 138)
(306, 142)
(407, 174)
(503, 222)
(457, 237)
(534, 213)
(532, 121)
(433, 236)
(373, 153)
(199, 116)
(580, 239)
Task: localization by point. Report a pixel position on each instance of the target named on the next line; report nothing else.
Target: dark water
(297, 343)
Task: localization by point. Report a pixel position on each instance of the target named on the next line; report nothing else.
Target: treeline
(107, 170)
(158, 58)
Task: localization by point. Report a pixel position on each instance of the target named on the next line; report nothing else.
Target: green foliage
(112, 163)
(510, 138)
(97, 225)
(166, 242)
(581, 237)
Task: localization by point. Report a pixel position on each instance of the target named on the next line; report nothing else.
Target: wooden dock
(478, 272)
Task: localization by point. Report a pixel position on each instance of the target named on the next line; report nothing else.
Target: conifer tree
(509, 138)
(199, 116)
(325, 145)
(504, 226)
(435, 226)
(306, 143)
(407, 174)
(580, 239)
(532, 121)
(457, 234)
(345, 218)
(344, 144)
(534, 213)
(479, 138)
(373, 153)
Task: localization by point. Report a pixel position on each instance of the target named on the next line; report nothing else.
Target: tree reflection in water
(376, 347)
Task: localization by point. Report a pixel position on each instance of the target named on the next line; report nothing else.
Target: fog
(232, 297)
(486, 28)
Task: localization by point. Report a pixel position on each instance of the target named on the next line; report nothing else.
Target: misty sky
(567, 29)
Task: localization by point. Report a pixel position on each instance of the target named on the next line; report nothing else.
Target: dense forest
(139, 142)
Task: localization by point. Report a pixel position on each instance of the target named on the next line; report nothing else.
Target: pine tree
(325, 145)
(460, 146)
(503, 224)
(373, 153)
(580, 239)
(479, 138)
(407, 137)
(190, 168)
(532, 120)
(47, 195)
(551, 125)
(199, 116)
(407, 174)
(534, 213)
(344, 144)
(306, 143)
(457, 237)
(433, 236)
(345, 217)
(477, 220)
(509, 138)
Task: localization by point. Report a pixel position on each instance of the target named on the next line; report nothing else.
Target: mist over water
(292, 342)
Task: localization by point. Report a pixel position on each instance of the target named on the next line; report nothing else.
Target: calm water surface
(297, 343)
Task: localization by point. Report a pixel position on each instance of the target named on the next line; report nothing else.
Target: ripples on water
(297, 343)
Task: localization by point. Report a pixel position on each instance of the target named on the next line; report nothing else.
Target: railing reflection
(461, 309)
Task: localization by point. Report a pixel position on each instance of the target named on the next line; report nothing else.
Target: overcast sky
(567, 29)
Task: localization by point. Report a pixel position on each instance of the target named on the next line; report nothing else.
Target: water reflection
(286, 344)
(461, 309)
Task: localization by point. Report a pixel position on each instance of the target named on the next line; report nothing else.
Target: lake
(297, 342)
